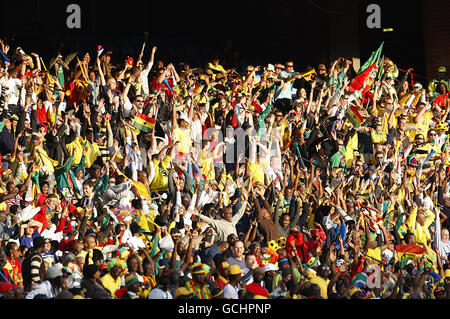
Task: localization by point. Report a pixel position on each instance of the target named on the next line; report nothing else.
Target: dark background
(308, 31)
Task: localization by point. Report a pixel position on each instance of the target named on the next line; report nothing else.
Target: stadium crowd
(141, 179)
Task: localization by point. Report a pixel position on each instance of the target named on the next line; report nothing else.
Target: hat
(281, 242)
(90, 270)
(198, 269)
(183, 291)
(311, 262)
(175, 231)
(235, 270)
(13, 118)
(54, 272)
(283, 261)
(99, 135)
(216, 292)
(90, 232)
(321, 67)
(131, 279)
(417, 86)
(270, 267)
(6, 172)
(224, 265)
(442, 69)
(270, 68)
(183, 117)
(353, 290)
(447, 273)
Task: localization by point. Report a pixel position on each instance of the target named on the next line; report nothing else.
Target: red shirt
(257, 289)
(154, 85)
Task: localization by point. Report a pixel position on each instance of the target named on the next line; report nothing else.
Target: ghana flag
(409, 251)
(144, 123)
(354, 117)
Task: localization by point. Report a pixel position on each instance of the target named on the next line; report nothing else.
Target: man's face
(87, 190)
(250, 261)
(402, 124)
(445, 235)
(115, 271)
(359, 166)
(285, 220)
(387, 104)
(139, 102)
(227, 214)
(89, 242)
(238, 249)
(275, 162)
(52, 202)
(431, 135)
(290, 67)
(419, 140)
(421, 217)
(199, 278)
(279, 118)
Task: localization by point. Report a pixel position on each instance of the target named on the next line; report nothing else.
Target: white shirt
(444, 248)
(157, 293)
(44, 288)
(13, 87)
(231, 292)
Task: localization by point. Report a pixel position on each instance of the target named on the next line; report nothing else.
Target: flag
(354, 117)
(374, 57)
(100, 50)
(409, 251)
(144, 123)
(364, 80)
(35, 187)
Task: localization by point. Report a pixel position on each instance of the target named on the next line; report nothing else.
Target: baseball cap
(54, 272)
(353, 290)
(235, 270)
(270, 267)
(321, 67)
(447, 273)
(442, 69)
(270, 67)
(183, 292)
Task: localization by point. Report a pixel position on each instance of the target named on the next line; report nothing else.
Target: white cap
(270, 267)
(270, 67)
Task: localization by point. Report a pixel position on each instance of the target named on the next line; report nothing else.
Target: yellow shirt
(109, 283)
(323, 284)
(184, 137)
(76, 149)
(160, 181)
(92, 153)
(423, 125)
(208, 167)
(257, 172)
(421, 232)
